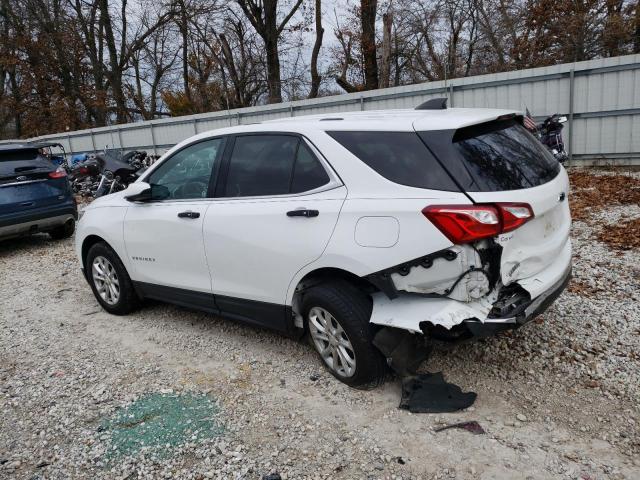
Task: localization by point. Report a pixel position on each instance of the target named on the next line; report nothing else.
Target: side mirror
(138, 192)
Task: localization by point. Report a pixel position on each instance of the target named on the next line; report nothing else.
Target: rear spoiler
(433, 104)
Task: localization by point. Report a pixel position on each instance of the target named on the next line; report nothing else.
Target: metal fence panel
(605, 124)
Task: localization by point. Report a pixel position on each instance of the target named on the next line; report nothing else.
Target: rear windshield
(398, 156)
(495, 156)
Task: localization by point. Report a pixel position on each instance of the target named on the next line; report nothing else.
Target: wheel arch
(87, 243)
(322, 275)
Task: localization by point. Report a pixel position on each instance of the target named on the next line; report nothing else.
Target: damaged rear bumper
(536, 307)
(419, 314)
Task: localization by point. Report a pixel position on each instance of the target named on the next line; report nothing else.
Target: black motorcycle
(108, 172)
(551, 136)
(549, 133)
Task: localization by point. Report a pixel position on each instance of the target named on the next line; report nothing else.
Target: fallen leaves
(591, 193)
(583, 289)
(623, 236)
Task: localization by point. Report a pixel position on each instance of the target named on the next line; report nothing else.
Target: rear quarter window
(400, 157)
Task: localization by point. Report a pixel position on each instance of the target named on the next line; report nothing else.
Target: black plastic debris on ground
(404, 351)
(472, 426)
(421, 393)
(429, 393)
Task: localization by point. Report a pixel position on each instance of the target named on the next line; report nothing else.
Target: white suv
(448, 223)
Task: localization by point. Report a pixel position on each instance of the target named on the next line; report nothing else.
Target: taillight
(470, 223)
(464, 224)
(514, 215)
(59, 173)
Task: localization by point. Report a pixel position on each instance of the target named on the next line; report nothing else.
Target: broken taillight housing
(470, 223)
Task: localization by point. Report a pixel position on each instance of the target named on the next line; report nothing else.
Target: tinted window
(188, 172)
(308, 173)
(398, 156)
(18, 155)
(261, 165)
(495, 156)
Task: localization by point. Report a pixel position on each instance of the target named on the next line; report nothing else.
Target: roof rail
(433, 104)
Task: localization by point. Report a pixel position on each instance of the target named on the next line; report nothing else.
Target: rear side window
(398, 156)
(264, 165)
(261, 165)
(495, 156)
(308, 173)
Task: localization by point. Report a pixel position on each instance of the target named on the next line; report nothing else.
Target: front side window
(265, 165)
(188, 172)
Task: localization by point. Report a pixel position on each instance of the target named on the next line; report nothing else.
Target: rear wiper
(24, 169)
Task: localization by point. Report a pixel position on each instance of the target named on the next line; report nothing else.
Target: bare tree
(263, 15)
(315, 76)
(368, 11)
(385, 61)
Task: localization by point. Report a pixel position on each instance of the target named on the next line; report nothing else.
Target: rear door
(278, 205)
(27, 183)
(500, 161)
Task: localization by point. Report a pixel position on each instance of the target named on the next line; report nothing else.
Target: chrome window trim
(26, 182)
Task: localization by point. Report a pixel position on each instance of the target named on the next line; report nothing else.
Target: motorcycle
(551, 136)
(108, 172)
(549, 133)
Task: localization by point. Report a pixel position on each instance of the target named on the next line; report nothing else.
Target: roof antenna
(433, 104)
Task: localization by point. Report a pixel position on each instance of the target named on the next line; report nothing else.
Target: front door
(164, 237)
(278, 208)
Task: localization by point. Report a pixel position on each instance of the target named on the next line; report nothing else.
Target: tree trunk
(273, 70)
(368, 10)
(385, 63)
(636, 41)
(114, 74)
(315, 76)
(184, 33)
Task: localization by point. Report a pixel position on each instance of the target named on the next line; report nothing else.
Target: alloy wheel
(332, 342)
(106, 280)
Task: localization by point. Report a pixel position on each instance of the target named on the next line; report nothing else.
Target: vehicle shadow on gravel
(32, 242)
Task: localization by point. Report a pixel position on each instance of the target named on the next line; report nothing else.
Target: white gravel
(559, 398)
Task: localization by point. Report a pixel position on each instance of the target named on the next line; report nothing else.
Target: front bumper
(536, 307)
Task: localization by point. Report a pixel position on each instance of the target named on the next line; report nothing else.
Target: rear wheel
(110, 281)
(63, 231)
(337, 318)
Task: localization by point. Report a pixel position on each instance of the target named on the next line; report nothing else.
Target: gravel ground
(558, 398)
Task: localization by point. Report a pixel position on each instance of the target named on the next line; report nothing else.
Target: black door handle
(189, 214)
(303, 212)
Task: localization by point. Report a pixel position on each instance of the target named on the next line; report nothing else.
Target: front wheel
(109, 280)
(337, 319)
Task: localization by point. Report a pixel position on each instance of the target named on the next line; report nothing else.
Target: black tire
(351, 309)
(128, 300)
(63, 231)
